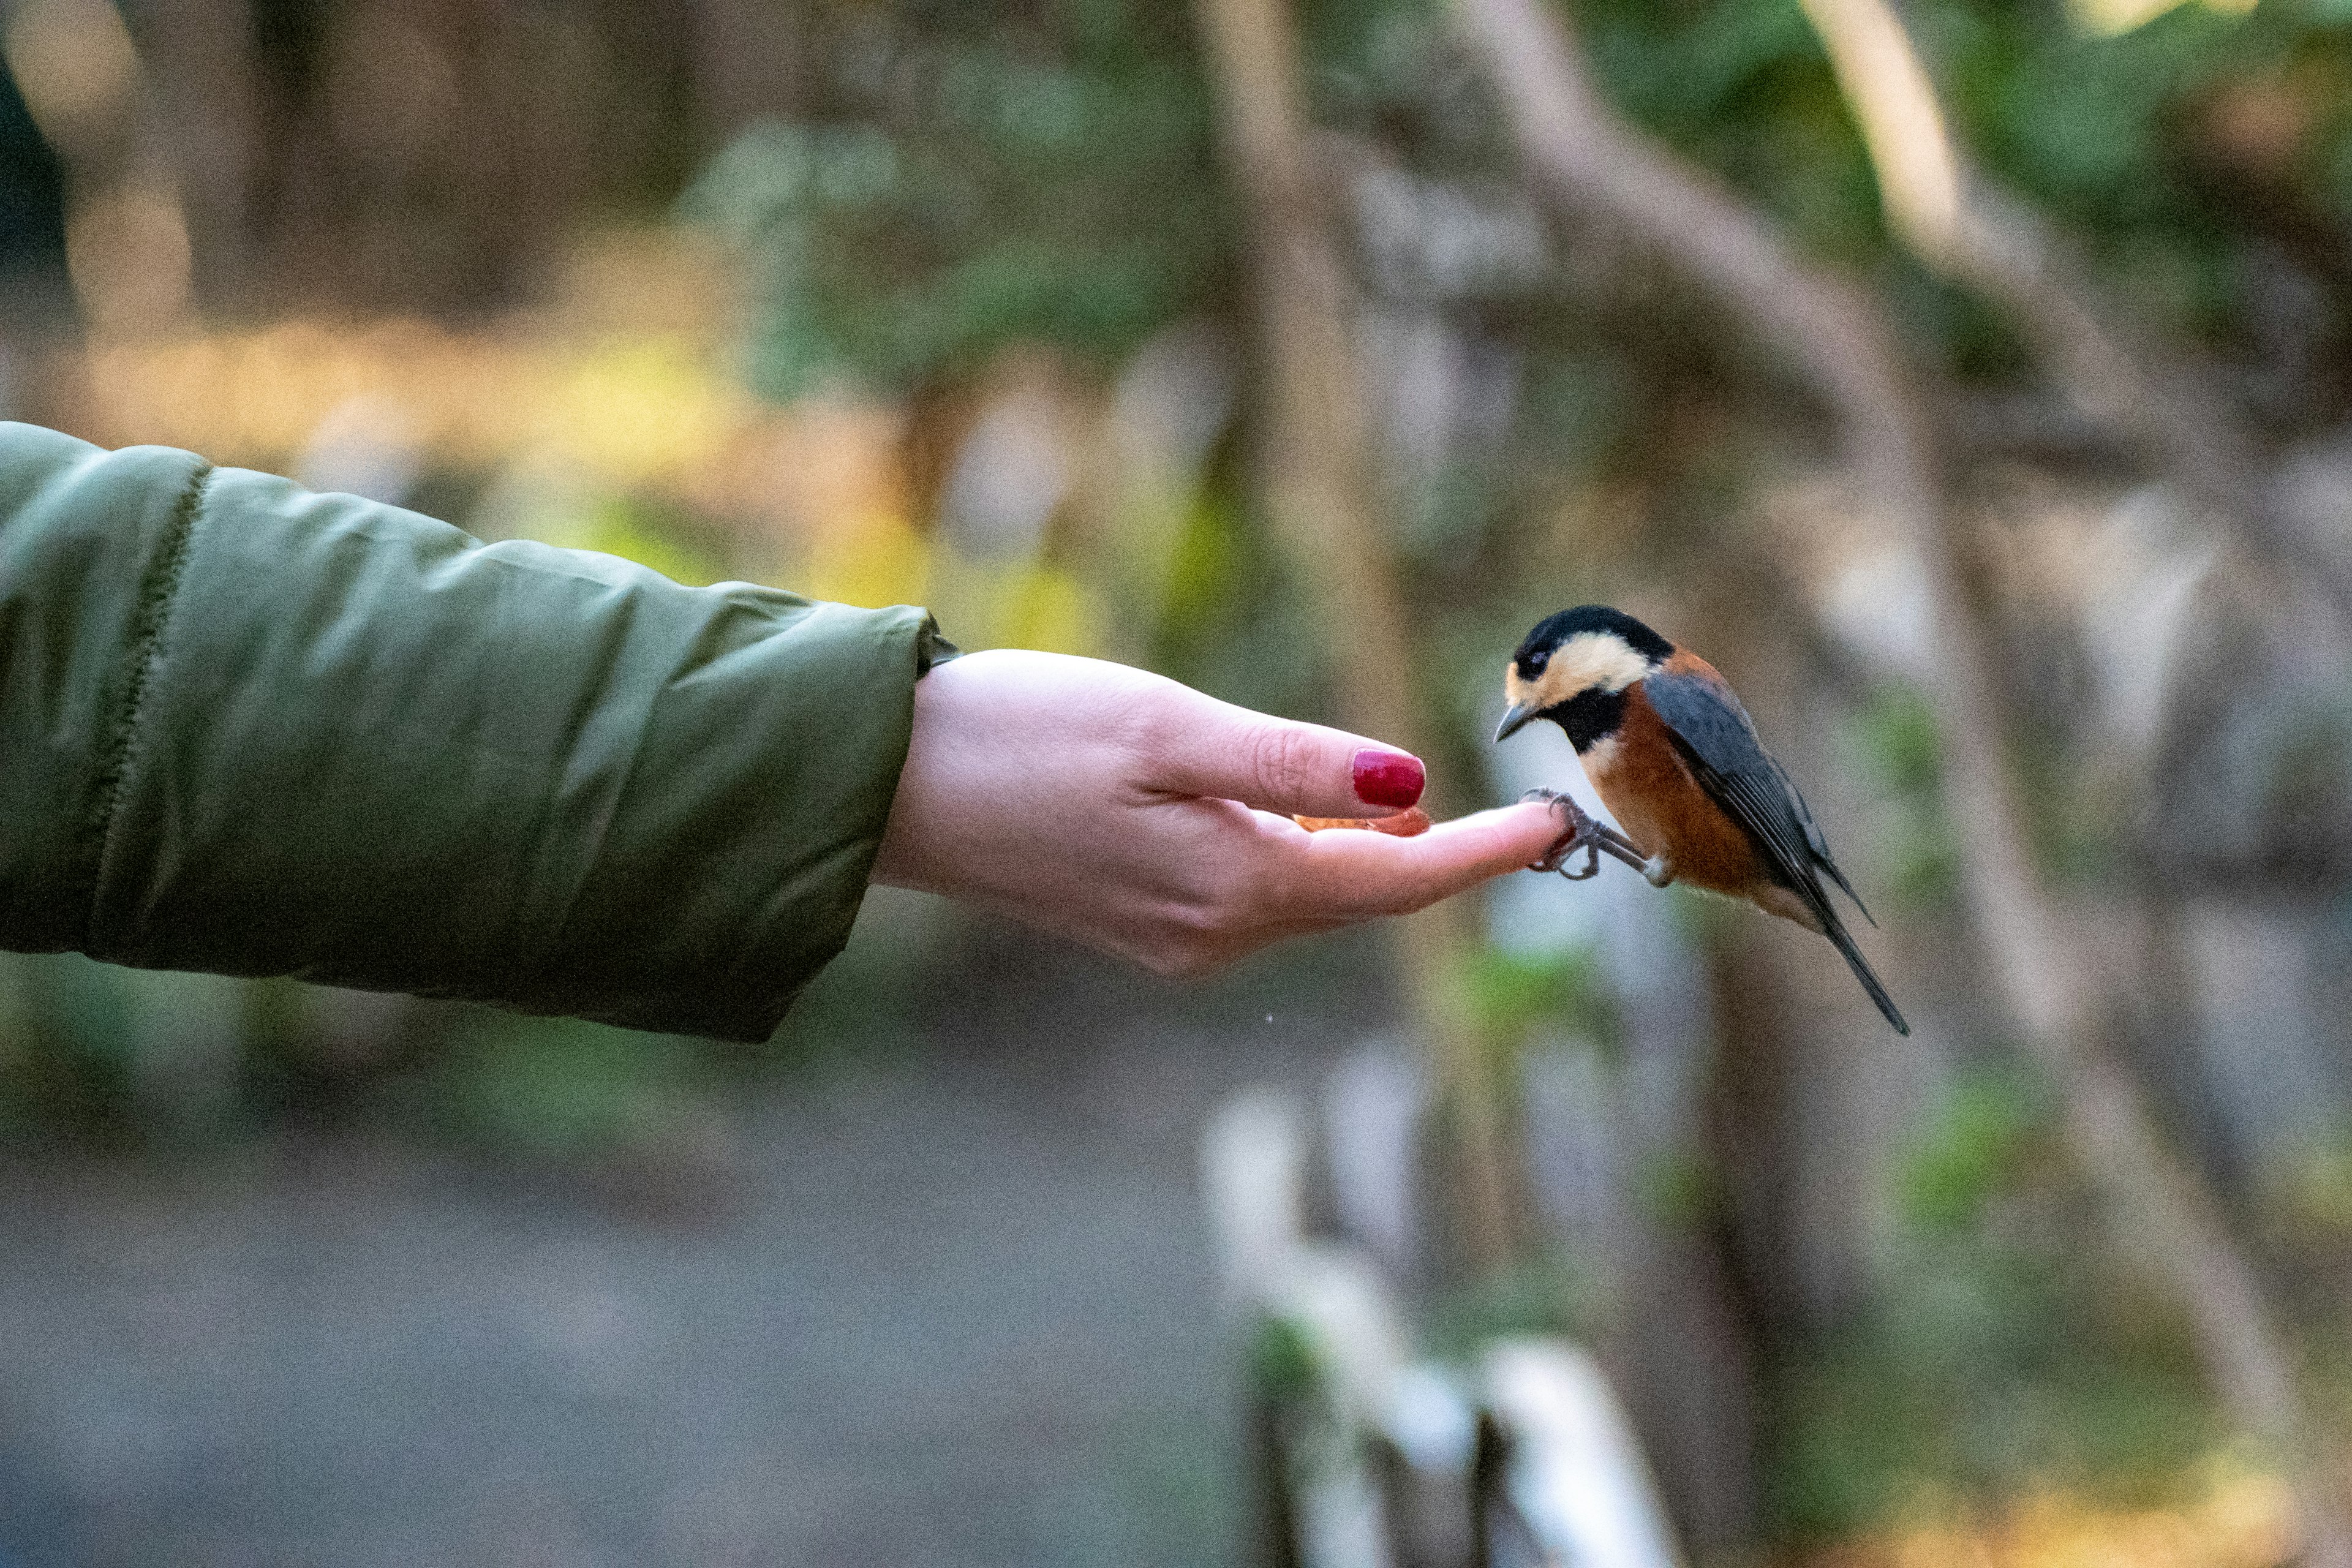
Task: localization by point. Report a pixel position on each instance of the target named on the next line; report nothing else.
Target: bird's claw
(1582, 833)
(1589, 833)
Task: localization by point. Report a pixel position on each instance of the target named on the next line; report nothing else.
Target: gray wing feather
(1747, 780)
(1718, 742)
(1815, 841)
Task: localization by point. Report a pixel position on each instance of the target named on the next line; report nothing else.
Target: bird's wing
(1718, 741)
(1814, 839)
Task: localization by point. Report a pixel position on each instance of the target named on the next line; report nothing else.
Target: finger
(1404, 824)
(1358, 875)
(1213, 748)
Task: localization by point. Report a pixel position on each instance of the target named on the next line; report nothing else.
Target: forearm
(260, 731)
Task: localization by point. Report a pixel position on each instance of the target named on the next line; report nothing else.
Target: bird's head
(1574, 668)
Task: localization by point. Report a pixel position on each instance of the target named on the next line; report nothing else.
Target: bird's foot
(1578, 835)
(1583, 832)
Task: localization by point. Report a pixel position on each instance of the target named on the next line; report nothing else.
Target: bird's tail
(1834, 929)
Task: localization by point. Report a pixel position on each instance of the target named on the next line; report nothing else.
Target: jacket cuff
(866, 675)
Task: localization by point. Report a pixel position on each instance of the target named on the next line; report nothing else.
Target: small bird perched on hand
(1676, 758)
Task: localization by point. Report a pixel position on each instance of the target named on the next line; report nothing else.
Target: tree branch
(1969, 229)
(1583, 155)
(1322, 494)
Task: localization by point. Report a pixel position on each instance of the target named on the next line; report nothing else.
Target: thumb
(1277, 765)
(1364, 874)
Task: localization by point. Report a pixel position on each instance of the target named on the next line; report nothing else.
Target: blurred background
(1972, 382)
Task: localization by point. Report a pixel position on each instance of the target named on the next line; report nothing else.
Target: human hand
(1136, 815)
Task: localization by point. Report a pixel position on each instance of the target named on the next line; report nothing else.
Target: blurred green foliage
(1281, 1359)
(2185, 154)
(1894, 734)
(2001, 1399)
(1229, 620)
(976, 178)
(119, 1056)
(649, 535)
(95, 1053)
(1679, 1191)
(563, 1090)
(1549, 1291)
(1990, 1123)
(1509, 995)
(972, 177)
(2011, 1349)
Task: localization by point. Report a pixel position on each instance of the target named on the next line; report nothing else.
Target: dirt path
(957, 1313)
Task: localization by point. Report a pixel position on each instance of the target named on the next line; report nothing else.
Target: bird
(1675, 756)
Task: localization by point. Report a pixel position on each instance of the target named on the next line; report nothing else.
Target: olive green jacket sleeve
(255, 731)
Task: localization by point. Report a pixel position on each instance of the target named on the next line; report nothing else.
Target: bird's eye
(1536, 662)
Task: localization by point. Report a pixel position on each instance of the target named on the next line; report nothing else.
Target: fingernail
(1388, 778)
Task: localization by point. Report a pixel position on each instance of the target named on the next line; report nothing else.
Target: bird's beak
(1514, 721)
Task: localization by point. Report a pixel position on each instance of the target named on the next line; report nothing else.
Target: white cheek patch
(1585, 662)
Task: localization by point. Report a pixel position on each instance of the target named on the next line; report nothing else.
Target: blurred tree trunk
(89, 94)
(750, 62)
(1805, 1113)
(1584, 155)
(207, 87)
(1320, 491)
(1976, 233)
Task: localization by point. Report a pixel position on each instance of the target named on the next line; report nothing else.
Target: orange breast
(1643, 782)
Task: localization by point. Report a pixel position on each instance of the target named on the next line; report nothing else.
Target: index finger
(1216, 749)
(1346, 875)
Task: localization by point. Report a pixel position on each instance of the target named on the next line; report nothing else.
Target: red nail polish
(1388, 778)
